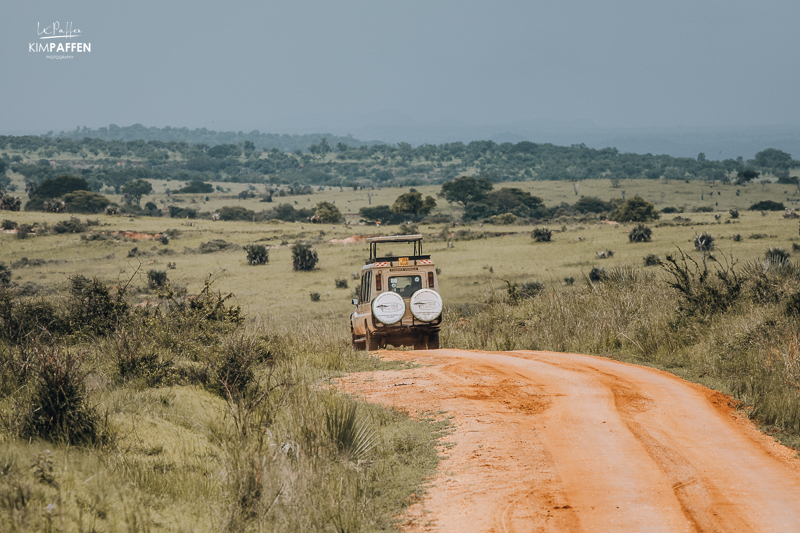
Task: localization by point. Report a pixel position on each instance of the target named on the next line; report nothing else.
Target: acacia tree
(465, 190)
(135, 189)
(637, 209)
(411, 203)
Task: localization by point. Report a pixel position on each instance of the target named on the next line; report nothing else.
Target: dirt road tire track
(564, 442)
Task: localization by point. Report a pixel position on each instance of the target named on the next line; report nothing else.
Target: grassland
(177, 459)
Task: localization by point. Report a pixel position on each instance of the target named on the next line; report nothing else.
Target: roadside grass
(208, 424)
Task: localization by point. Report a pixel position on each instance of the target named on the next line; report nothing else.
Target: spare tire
(426, 305)
(388, 308)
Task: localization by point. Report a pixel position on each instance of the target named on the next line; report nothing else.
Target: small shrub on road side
(304, 256)
(542, 235)
(257, 254)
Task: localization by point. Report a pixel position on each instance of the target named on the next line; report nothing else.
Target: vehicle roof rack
(373, 244)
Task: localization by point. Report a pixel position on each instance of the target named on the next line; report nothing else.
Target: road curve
(564, 442)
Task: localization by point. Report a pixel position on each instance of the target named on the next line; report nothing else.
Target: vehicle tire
(433, 341)
(372, 343)
(420, 344)
(357, 344)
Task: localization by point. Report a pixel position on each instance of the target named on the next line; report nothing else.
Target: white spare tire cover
(388, 307)
(426, 305)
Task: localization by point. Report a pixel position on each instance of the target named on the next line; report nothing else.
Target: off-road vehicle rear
(398, 301)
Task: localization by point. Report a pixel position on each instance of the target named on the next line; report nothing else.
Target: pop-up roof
(373, 244)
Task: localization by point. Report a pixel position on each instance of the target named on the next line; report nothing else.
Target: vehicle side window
(368, 287)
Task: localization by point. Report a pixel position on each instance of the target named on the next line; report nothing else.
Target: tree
(773, 159)
(637, 209)
(328, 213)
(382, 214)
(411, 203)
(257, 254)
(512, 200)
(196, 187)
(87, 202)
(767, 205)
(465, 190)
(135, 189)
(592, 204)
(304, 257)
(54, 188)
(746, 175)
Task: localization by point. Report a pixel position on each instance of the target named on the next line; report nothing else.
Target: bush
(734, 213)
(257, 254)
(670, 209)
(767, 205)
(504, 219)
(182, 212)
(640, 233)
(196, 187)
(53, 188)
(23, 230)
(340, 283)
(5, 275)
(652, 260)
(304, 257)
(73, 225)
(8, 224)
(637, 209)
(704, 242)
(541, 235)
(236, 213)
(569, 280)
(314, 296)
(157, 278)
(702, 294)
(58, 409)
(598, 274)
(328, 213)
(164, 239)
(776, 255)
(737, 237)
(215, 245)
(408, 228)
(703, 209)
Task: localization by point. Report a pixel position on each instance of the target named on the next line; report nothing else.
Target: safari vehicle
(398, 301)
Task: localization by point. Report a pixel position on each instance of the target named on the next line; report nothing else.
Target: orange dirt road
(562, 442)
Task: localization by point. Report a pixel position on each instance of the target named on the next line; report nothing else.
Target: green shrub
(8, 224)
(304, 257)
(73, 225)
(734, 213)
(504, 219)
(58, 409)
(340, 283)
(257, 254)
(776, 255)
(216, 245)
(598, 274)
(157, 278)
(640, 233)
(5, 275)
(767, 205)
(23, 230)
(328, 213)
(702, 293)
(315, 296)
(637, 209)
(236, 212)
(182, 212)
(704, 242)
(542, 235)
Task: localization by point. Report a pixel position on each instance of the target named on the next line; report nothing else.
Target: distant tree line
(334, 162)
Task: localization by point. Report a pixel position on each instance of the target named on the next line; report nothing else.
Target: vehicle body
(398, 300)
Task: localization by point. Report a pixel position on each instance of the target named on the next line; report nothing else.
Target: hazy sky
(290, 65)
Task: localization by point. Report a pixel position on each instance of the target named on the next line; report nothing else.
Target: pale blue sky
(307, 65)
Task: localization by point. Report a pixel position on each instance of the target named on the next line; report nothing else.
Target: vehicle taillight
(378, 282)
(430, 280)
